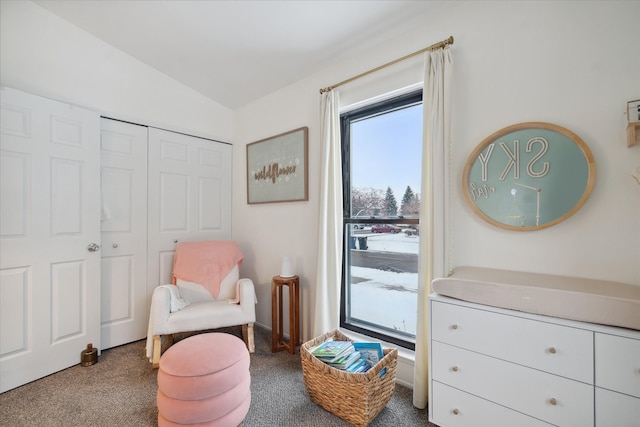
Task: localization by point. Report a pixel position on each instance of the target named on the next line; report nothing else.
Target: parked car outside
(384, 228)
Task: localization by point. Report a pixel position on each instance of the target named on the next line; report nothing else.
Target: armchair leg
(157, 348)
(247, 334)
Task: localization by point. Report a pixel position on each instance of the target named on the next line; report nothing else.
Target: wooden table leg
(292, 323)
(274, 324)
(296, 299)
(280, 318)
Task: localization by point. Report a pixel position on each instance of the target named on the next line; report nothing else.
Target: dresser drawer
(455, 408)
(618, 364)
(553, 399)
(616, 410)
(560, 350)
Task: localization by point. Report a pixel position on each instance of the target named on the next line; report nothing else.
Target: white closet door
(49, 215)
(124, 232)
(189, 196)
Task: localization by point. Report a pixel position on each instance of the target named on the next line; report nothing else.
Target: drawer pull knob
(553, 401)
(454, 369)
(454, 326)
(455, 411)
(552, 350)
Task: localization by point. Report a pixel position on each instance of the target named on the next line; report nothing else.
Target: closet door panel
(210, 212)
(67, 288)
(124, 232)
(118, 291)
(174, 202)
(211, 189)
(189, 196)
(14, 204)
(15, 286)
(165, 265)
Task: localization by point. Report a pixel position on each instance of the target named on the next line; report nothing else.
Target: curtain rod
(434, 46)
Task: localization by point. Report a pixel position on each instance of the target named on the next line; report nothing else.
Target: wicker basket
(356, 398)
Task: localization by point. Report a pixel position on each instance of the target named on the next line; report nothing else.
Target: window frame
(346, 119)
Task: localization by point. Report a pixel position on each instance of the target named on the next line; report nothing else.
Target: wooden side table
(277, 327)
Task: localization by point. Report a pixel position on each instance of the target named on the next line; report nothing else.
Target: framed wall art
(633, 127)
(633, 111)
(277, 168)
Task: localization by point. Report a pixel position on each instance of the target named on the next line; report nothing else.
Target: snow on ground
(384, 297)
(389, 242)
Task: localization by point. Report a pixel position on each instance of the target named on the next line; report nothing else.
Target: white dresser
(496, 367)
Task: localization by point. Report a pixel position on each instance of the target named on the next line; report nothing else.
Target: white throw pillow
(177, 303)
(193, 292)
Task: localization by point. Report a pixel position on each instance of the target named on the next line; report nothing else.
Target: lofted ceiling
(234, 52)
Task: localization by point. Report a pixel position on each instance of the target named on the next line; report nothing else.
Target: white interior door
(189, 196)
(49, 215)
(123, 153)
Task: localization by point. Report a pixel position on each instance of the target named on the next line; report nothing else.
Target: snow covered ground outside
(384, 297)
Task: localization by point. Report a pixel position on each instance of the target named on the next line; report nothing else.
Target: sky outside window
(386, 152)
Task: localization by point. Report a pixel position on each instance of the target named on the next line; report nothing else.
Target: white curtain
(434, 214)
(327, 304)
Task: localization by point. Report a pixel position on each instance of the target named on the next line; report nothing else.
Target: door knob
(93, 247)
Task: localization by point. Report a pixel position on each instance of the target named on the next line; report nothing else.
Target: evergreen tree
(410, 204)
(390, 204)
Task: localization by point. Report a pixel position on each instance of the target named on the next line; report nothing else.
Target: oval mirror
(529, 176)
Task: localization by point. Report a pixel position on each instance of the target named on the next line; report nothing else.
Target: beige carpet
(120, 390)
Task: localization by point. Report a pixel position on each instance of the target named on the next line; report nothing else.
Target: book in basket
(371, 352)
(332, 350)
(343, 362)
(358, 367)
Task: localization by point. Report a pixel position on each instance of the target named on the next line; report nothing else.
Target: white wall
(575, 64)
(43, 54)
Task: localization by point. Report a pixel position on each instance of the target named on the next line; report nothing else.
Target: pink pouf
(204, 380)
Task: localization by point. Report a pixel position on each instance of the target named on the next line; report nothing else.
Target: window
(382, 156)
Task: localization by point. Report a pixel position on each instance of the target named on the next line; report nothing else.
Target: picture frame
(277, 168)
